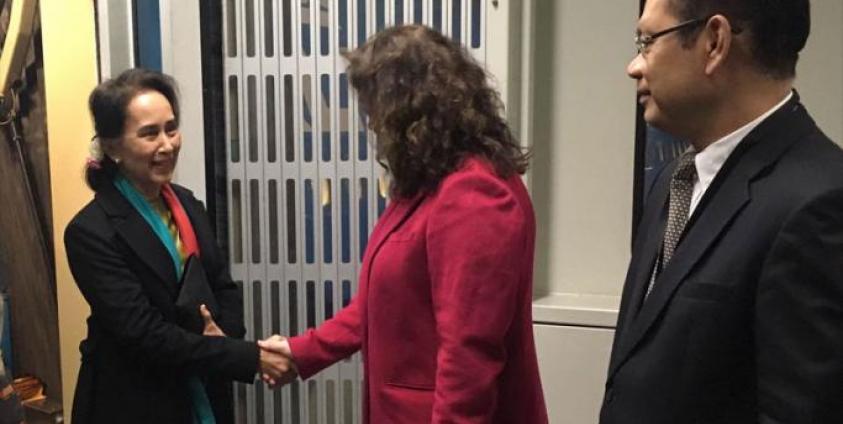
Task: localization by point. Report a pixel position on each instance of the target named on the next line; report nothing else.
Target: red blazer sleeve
(335, 339)
(476, 235)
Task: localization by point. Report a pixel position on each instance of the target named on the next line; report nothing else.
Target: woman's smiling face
(150, 144)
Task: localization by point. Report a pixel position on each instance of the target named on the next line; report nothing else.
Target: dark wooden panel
(26, 253)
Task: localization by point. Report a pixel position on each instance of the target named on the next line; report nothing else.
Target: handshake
(277, 366)
(276, 363)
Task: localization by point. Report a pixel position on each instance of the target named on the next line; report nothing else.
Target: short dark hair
(109, 103)
(431, 106)
(778, 29)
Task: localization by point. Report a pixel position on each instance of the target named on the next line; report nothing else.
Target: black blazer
(745, 323)
(136, 361)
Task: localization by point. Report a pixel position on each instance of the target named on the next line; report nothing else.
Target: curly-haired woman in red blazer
(443, 311)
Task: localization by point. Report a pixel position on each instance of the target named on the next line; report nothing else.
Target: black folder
(194, 291)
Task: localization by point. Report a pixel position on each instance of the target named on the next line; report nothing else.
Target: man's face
(668, 74)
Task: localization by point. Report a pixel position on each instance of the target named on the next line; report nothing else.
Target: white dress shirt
(709, 161)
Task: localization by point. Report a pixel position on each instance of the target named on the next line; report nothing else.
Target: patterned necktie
(681, 191)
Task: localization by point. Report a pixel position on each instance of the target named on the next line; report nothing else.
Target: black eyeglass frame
(643, 41)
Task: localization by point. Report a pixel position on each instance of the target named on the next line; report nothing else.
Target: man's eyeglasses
(642, 42)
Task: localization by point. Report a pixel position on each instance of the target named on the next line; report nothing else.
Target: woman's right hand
(281, 368)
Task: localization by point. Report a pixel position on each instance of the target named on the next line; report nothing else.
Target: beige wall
(69, 75)
(583, 117)
(573, 387)
(820, 71)
(181, 57)
(584, 133)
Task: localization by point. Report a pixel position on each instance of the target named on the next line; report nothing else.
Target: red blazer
(443, 312)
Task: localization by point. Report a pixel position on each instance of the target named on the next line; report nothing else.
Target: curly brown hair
(431, 106)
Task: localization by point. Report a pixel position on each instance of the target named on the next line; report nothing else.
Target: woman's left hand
(211, 327)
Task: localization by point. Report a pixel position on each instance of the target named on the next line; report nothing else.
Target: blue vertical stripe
(6, 333)
(148, 34)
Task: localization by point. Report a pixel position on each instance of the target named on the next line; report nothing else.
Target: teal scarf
(202, 412)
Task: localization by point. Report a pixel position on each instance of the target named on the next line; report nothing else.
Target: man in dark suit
(732, 310)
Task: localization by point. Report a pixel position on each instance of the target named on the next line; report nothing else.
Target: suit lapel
(396, 214)
(647, 245)
(655, 220)
(136, 233)
(728, 194)
(730, 200)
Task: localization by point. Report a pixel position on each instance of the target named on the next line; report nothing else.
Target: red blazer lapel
(396, 213)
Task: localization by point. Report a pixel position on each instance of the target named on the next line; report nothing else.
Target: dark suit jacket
(745, 323)
(136, 361)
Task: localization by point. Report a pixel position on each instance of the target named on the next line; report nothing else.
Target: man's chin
(652, 119)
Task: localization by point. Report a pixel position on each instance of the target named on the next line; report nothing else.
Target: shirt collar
(711, 159)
